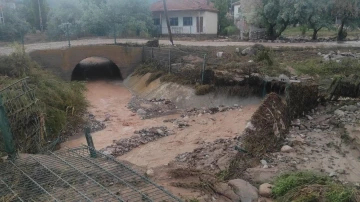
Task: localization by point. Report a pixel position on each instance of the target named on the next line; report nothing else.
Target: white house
(186, 17)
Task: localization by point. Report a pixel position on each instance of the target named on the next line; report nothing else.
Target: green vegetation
(203, 89)
(309, 187)
(315, 67)
(277, 15)
(62, 103)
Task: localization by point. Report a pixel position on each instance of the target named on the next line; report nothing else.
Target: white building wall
(209, 24)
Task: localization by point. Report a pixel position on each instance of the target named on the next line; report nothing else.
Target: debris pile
(209, 110)
(338, 56)
(148, 109)
(345, 87)
(214, 156)
(144, 136)
(301, 98)
(268, 127)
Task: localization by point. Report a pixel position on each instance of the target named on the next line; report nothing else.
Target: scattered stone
(219, 54)
(263, 162)
(150, 173)
(350, 108)
(244, 190)
(122, 146)
(339, 113)
(309, 117)
(332, 174)
(265, 190)
(141, 112)
(287, 149)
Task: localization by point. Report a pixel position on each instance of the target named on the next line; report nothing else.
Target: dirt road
(5, 50)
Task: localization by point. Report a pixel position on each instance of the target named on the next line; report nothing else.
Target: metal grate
(73, 175)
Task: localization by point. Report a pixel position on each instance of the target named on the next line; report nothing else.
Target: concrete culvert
(96, 68)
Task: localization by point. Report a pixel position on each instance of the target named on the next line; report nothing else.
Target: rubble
(151, 108)
(122, 146)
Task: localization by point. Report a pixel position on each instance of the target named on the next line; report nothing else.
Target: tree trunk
(340, 36)
(314, 36)
(271, 33)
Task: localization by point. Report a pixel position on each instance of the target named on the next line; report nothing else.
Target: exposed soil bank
(183, 96)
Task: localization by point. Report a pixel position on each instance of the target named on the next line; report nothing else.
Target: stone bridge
(62, 62)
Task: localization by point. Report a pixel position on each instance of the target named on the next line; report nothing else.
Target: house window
(157, 21)
(187, 21)
(174, 22)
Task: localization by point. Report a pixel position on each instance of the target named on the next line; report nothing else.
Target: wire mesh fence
(191, 65)
(73, 175)
(23, 127)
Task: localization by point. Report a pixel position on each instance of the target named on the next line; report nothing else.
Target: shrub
(203, 89)
(62, 103)
(231, 30)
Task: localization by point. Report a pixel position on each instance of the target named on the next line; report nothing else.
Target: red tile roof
(184, 5)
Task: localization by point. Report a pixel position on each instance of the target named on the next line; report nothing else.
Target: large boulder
(253, 50)
(245, 191)
(265, 190)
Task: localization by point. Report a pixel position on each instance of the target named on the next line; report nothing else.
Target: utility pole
(67, 33)
(168, 23)
(115, 33)
(40, 16)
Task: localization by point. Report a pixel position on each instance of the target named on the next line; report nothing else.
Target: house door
(200, 24)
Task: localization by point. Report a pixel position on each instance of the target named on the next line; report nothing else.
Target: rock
(250, 61)
(287, 149)
(236, 105)
(350, 108)
(245, 191)
(237, 50)
(284, 78)
(250, 126)
(248, 51)
(339, 113)
(332, 174)
(265, 190)
(227, 191)
(161, 132)
(309, 117)
(263, 162)
(219, 54)
(108, 151)
(150, 172)
(298, 141)
(341, 171)
(141, 112)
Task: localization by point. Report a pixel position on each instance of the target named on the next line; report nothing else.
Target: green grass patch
(311, 187)
(316, 67)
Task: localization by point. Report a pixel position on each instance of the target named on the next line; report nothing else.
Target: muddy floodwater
(109, 101)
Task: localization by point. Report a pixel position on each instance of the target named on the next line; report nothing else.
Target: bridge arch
(94, 68)
(62, 62)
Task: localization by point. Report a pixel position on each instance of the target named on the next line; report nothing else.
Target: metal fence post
(115, 34)
(6, 133)
(169, 61)
(90, 142)
(152, 54)
(203, 70)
